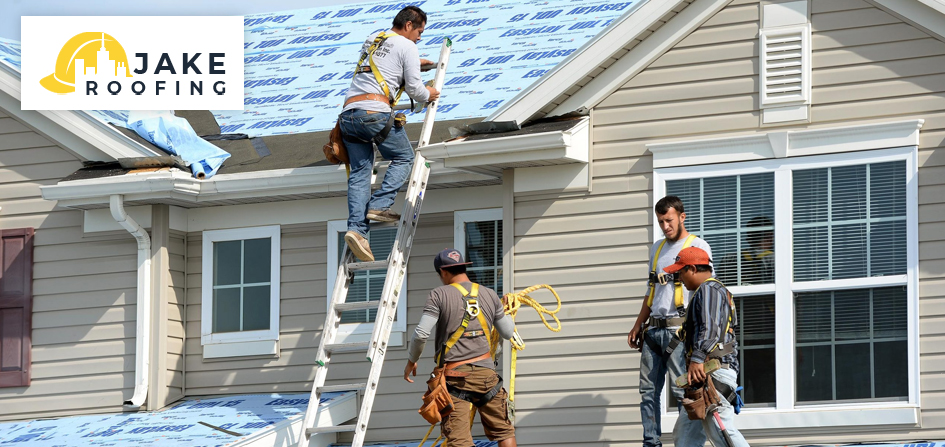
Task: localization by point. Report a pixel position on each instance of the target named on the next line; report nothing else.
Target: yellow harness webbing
(369, 55)
(677, 286)
(458, 333)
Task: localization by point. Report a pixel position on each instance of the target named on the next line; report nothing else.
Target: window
(820, 253)
(240, 292)
(367, 285)
(478, 236)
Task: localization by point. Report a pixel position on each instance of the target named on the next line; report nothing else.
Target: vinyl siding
(177, 252)
(580, 386)
(83, 290)
(303, 309)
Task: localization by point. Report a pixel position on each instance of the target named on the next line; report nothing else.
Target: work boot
(383, 215)
(359, 246)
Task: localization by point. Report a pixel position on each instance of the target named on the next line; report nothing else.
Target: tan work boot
(383, 215)
(359, 246)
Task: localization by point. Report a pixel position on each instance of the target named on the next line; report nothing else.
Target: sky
(14, 9)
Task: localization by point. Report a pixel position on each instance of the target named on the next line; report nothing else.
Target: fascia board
(641, 56)
(86, 136)
(586, 59)
(928, 15)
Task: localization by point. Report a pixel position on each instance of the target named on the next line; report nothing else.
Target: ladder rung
(355, 346)
(371, 265)
(345, 387)
(334, 429)
(358, 305)
(402, 106)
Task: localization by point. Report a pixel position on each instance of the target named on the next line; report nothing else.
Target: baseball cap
(689, 256)
(448, 258)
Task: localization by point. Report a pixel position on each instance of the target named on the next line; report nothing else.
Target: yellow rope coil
(514, 301)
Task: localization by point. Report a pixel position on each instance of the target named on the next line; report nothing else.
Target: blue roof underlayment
(176, 426)
(298, 64)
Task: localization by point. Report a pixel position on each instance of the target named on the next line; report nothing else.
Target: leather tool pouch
(437, 402)
(335, 150)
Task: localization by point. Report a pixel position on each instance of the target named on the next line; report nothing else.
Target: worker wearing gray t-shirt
(661, 315)
(367, 113)
(470, 370)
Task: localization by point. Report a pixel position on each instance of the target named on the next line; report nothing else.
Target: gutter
(143, 328)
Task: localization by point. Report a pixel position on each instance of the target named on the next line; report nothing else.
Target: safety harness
(472, 311)
(664, 278)
(372, 68)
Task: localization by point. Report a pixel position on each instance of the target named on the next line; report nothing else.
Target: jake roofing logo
(140, 63)
(86, 54)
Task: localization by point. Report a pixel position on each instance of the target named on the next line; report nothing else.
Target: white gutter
(143, 328)
(182, 186)
(555, 147)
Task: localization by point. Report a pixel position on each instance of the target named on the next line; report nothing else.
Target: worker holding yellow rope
(468, 320)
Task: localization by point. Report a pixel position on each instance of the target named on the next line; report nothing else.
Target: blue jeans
(358, 124)
(710, 425)
(653, 367)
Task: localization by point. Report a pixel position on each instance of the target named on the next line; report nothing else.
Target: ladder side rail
(438, 80)
(329, 332)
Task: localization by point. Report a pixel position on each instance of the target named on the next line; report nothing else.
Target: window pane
(369, 284)
(755, 333)
(257, 265)
(845, 340)
(226, 310)
(735, 215)
(484, 250)
(849, 221)
(256, 307)
(226, 262)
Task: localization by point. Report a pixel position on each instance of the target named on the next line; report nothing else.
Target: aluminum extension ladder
(396, 265)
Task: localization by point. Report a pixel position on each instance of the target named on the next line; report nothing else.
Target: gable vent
(785, 65)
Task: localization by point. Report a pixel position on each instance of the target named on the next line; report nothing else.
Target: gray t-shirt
(399, 62)
(664, 303)
(448, 306)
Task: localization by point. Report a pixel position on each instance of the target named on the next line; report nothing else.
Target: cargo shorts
(493, 415)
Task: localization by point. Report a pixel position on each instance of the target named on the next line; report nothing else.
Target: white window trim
(356, 332)
(248, 343)
(787, 414)
(459, 225)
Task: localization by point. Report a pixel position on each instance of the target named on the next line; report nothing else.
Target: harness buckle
(472, 308)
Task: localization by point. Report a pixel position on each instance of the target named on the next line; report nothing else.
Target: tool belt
(663, 323)
(438, 401)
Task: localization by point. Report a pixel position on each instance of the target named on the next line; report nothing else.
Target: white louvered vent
(785, 65)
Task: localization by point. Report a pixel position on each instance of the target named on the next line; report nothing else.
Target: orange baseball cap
(689, 256)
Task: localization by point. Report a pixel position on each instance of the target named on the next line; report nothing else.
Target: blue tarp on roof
(176, 426)
(298, 64)
(10, 53)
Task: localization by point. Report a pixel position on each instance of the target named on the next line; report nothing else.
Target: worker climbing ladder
(396, 265)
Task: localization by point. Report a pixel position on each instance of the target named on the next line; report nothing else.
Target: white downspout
(143, 328)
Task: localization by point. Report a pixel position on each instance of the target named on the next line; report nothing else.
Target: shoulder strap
(677, 285)
(656, 258)
(458, 333)
(369, 55)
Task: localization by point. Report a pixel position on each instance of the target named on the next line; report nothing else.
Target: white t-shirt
(664, 303)
(397, 59)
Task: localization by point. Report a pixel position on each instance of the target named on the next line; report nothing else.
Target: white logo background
(44, 37)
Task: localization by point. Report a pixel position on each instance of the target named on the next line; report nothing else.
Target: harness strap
(477, 399)
(678, 298)
(461, 330)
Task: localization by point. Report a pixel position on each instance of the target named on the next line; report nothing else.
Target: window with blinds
(484, 250)
(735, 215)
(368, 284)
(846, 222)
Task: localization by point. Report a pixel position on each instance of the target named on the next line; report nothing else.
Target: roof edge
(586, 59)
(74, 130)
(927, 15)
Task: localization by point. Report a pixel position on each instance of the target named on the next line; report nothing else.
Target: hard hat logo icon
(86, 55)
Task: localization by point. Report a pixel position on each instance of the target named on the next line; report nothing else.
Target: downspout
(143, 328)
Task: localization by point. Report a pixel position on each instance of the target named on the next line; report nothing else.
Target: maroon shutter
(16, 306)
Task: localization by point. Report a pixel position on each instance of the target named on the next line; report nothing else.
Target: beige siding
(177, 254)
(303, 307)
(83, 290)
(580, 387)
